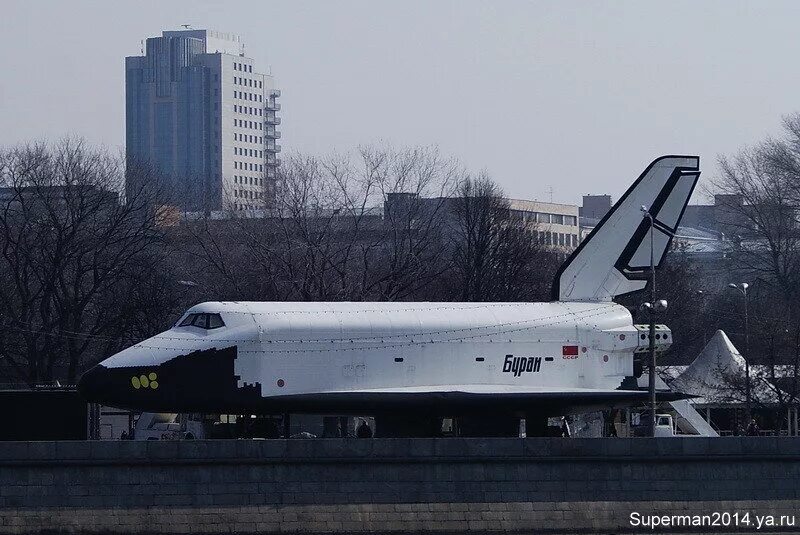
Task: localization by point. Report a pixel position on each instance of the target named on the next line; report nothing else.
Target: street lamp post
(651, 308)
(742, 288)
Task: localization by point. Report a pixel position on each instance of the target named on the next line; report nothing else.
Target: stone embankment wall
(404, 485)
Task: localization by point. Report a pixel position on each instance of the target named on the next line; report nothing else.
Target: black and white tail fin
(615, 258)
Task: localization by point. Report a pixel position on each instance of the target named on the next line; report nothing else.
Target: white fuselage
(293, 348)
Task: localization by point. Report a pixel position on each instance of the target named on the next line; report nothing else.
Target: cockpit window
(214, 321)
(203, 321)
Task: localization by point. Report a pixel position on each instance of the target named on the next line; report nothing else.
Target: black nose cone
(94, 385)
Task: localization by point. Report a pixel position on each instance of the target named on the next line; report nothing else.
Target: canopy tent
(717, 375)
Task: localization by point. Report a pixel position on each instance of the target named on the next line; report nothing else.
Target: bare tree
(69, 250)
(345, 227)
(480, 214)
(496, 253)
(407, 258)
(762, 187)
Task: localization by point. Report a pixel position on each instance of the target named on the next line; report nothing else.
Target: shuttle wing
(615, 258)
(457, 399)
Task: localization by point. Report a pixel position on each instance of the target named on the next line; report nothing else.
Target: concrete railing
(333, 485)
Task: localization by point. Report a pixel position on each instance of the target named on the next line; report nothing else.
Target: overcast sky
(573, 96)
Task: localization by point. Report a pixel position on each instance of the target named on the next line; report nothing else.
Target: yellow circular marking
(152, 376)
(135, 382)
(144, 381)
(153, 384)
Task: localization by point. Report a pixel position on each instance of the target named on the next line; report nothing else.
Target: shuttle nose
(200, 380)
(136, 387)
(95, 385)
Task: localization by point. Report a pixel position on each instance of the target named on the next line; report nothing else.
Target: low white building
(557, 224)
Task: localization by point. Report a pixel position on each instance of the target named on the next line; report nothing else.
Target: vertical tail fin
(615, 258)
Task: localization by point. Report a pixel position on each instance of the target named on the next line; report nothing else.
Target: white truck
(665, 427)
(640, 425)
(168, 426)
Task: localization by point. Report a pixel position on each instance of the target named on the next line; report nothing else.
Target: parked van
(168, 426)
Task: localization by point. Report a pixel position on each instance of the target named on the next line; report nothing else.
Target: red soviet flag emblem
(569, 352)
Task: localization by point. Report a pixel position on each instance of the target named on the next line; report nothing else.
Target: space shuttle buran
(430, 359)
